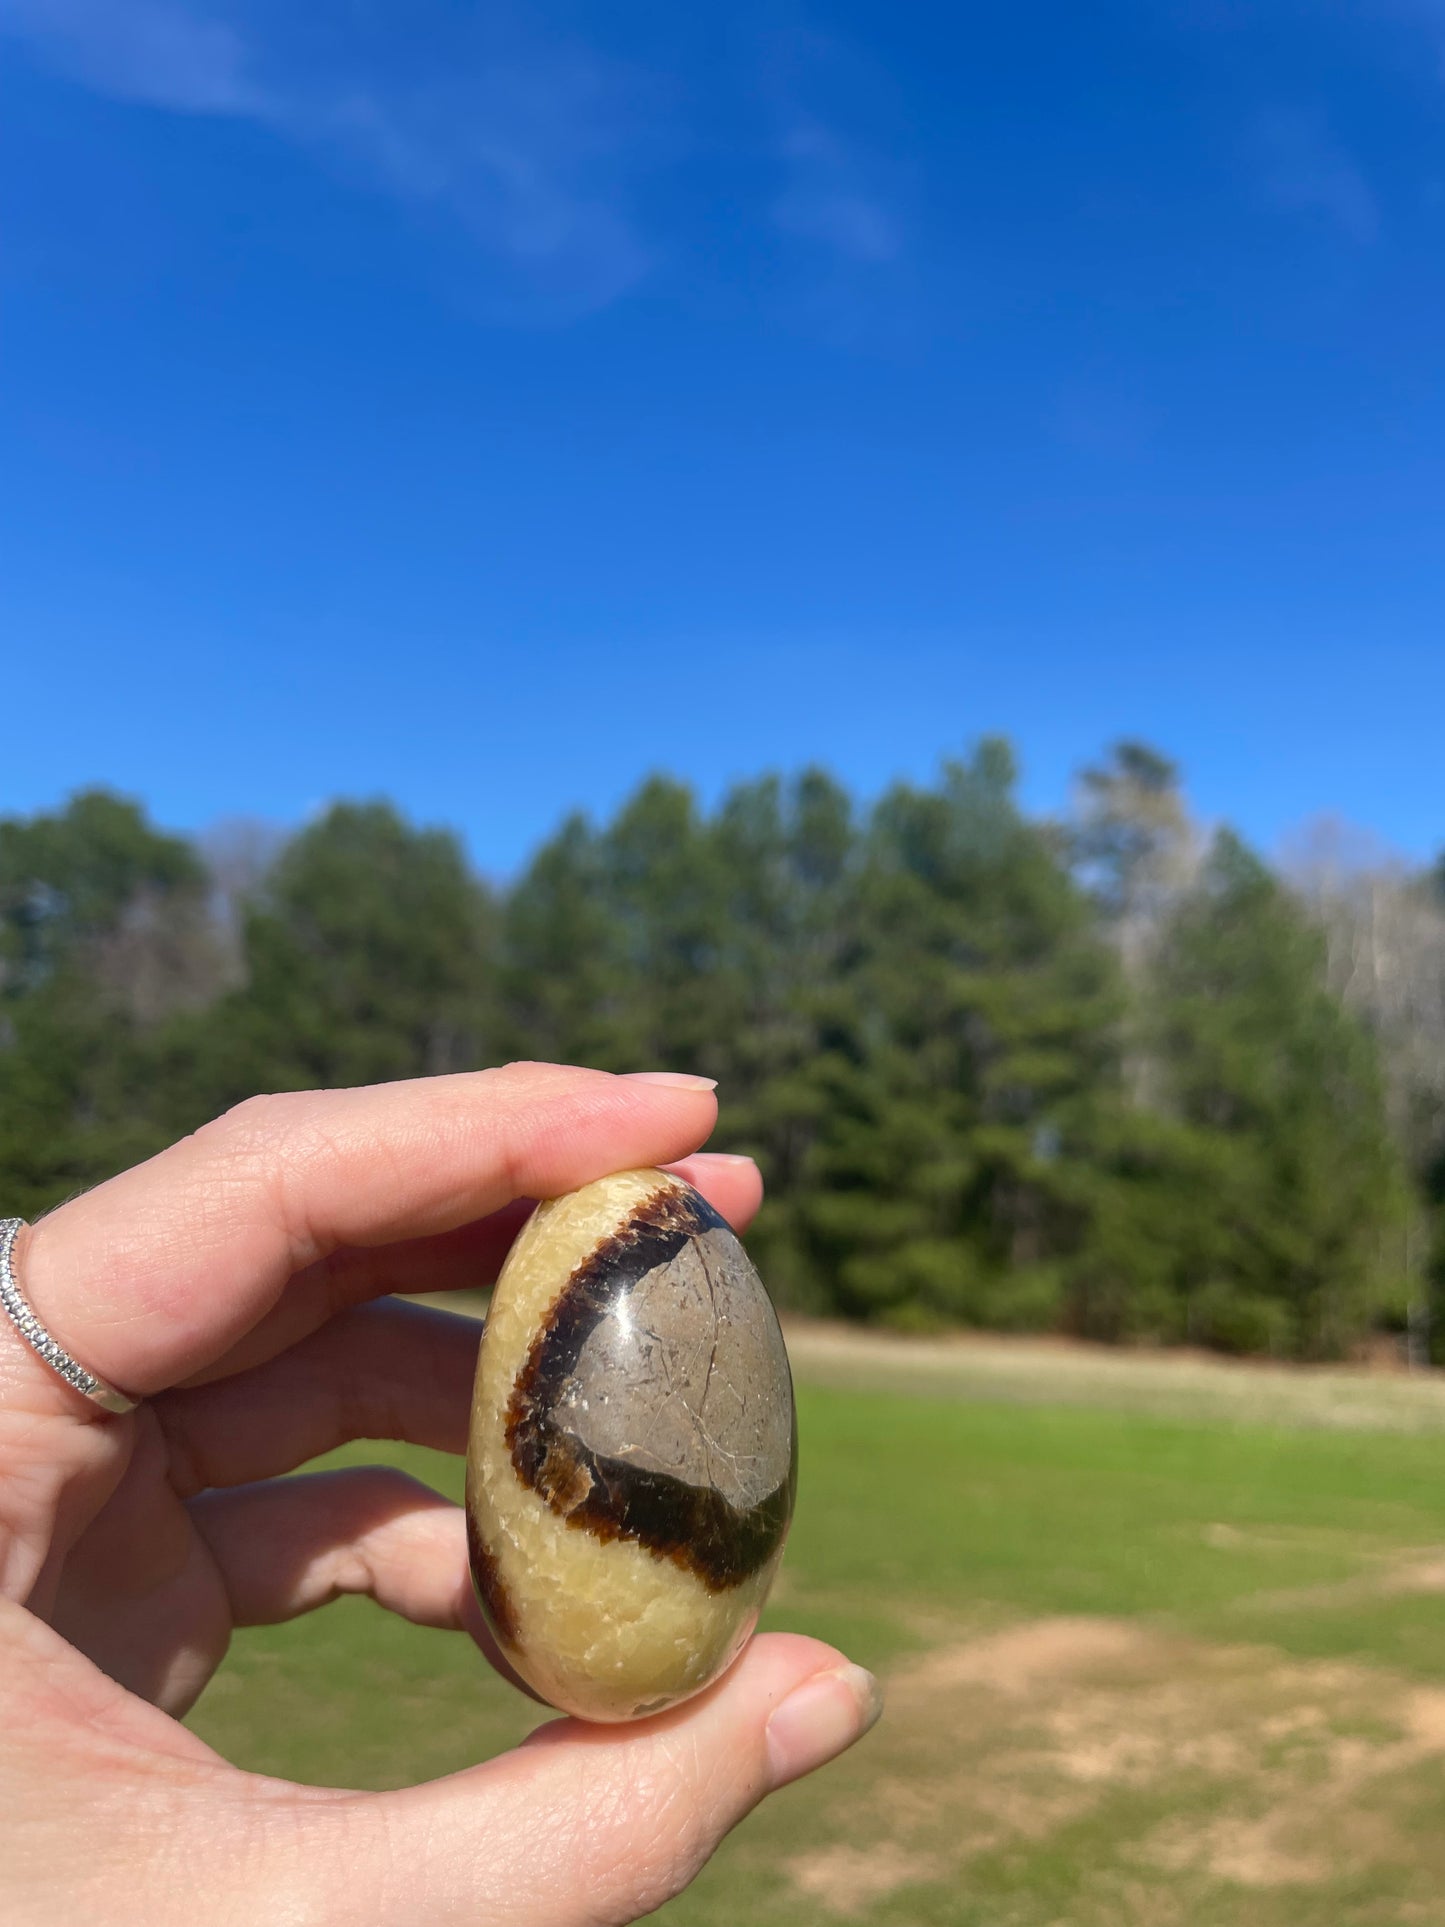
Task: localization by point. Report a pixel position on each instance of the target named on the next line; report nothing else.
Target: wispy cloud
(533, 152)
(528, 147)
(152, 51)
(840, 202)
(829, 199)
(1304, 170)
(537, 147)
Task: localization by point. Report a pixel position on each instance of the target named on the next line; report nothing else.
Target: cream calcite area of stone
(632, 1457)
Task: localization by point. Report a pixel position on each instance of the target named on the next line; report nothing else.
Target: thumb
(585, 1825)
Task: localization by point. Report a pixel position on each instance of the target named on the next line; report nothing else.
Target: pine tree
(782, 990)
(562, 980)
(953, 1177)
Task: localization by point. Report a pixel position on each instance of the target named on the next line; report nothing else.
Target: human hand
(232, 1282)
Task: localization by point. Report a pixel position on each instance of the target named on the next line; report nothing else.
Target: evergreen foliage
(997, 1071)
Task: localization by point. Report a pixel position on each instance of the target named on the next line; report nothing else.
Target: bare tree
(1384, 928)
(1136, 845)
(164, 953)
(1137, 849)
(238, 852)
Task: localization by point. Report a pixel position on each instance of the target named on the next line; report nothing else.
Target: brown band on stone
(491, 1587)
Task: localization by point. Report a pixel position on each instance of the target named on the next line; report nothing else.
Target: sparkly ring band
(14, 1303)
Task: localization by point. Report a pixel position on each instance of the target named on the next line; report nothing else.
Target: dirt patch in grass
(1388, 1575)
(1019, 1659)
(1215, 1766)
(848, 1879)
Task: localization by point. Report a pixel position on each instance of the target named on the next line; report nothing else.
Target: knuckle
(536, 1074)
(520, 1075)
(264, 1149)
(252, 1126)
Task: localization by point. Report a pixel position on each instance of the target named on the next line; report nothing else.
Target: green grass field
(1141, 1668)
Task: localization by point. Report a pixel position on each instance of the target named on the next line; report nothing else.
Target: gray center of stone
(686, 1375)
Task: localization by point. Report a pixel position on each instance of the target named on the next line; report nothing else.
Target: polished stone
(632, 1461)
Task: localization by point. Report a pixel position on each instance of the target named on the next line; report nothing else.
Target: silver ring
(17, 1307)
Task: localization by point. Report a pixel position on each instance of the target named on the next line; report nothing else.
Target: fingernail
(721, 1157)
(673, 1080)
(819, 1720)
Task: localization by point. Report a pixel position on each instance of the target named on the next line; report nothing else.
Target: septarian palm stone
(633, 1453)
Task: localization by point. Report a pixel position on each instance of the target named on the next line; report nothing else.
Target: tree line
(1103, 1075)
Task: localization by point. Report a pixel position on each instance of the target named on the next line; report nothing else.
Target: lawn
(1142, 1668)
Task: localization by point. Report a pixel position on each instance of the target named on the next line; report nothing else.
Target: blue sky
(487, 405)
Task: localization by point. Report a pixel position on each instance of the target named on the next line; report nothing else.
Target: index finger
(156, 1273)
